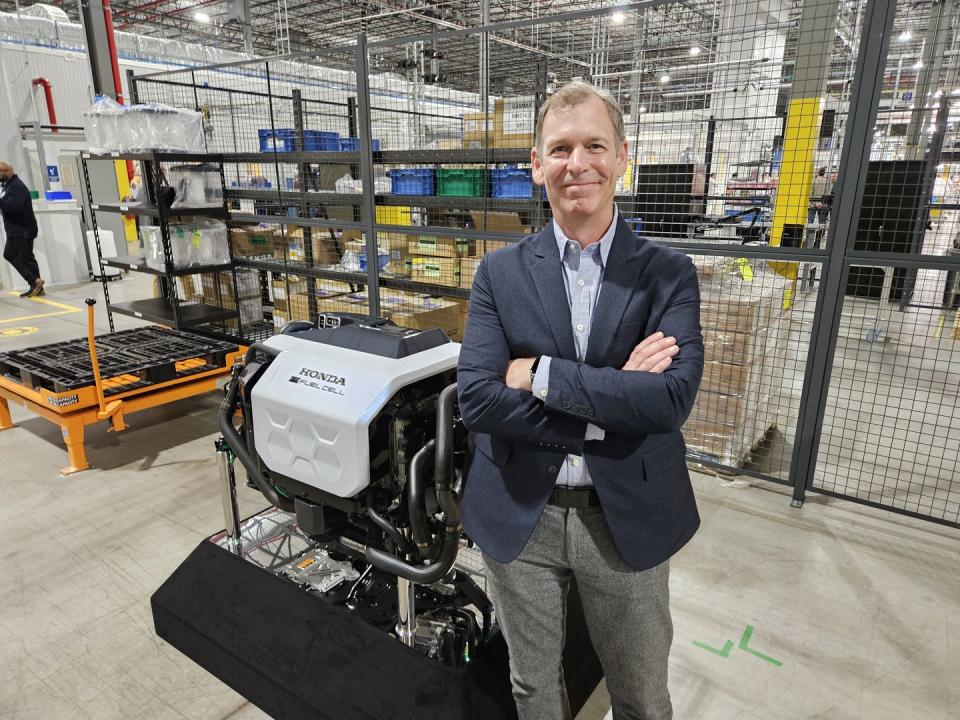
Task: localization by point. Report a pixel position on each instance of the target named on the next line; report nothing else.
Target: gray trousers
(627, 613)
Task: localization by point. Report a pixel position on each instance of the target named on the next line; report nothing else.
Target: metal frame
(836, 260)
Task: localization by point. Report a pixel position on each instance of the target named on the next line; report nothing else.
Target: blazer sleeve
(14, 198)
(637, 402)
(487, 405)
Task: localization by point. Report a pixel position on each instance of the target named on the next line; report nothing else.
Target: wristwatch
(533, 368)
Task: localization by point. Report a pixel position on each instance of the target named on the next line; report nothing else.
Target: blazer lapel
(548, 280)
(619, 283)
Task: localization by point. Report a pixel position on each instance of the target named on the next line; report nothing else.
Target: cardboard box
(515, 121)
(252, 241)
(406, 310)
(296, 307)
(721, 377)
(468, 271)
(432, 246)
(506, 222)
(480, 130)
(217, 287)
(284, 286)
(289, 245)
(435, 270)
(189, 288)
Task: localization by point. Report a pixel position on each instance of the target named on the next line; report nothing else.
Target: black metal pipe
(390, 529)
(416, 494)
(443, 459)
(425, 575)
(239, 448)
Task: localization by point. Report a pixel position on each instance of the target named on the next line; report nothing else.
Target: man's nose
(576, 161)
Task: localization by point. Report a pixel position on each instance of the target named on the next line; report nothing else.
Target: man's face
(6, 172)
(581, 160)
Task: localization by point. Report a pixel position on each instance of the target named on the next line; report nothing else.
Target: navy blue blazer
(519, 308)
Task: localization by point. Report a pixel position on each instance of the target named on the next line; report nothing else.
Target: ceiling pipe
(48, 93)
(115, 67)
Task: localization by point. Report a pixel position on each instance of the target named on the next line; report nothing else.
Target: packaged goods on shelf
(746, 332)
(252, 241)
(110, 127)
(435, 270)
(515, 121)
(404, 309)
(355, 257)
(434, 246)
(199, 243)
(506, 222)
(218, 286)
(196, 185)
(468, 271)
(189, 288)
(479, 129)
(285, 286)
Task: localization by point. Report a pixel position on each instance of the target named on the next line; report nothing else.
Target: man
(20, 225)
(821, 196)
(581, 360)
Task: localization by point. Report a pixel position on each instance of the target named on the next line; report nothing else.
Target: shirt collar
(606, 240)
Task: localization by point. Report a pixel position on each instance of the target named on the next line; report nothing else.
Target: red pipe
(115, 66)
(48, 93)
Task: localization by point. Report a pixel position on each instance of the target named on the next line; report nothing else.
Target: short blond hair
(576, 93)
(4, 164)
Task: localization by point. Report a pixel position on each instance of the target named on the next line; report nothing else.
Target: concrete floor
(861, 607)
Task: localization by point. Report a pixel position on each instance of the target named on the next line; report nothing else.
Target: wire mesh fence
(891, 428)
(737, 116)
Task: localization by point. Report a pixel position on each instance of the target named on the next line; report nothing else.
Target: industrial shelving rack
(167, 309)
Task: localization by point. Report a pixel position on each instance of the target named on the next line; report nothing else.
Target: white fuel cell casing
(313, 406)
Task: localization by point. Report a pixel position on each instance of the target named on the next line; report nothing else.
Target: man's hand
(654, 354)
(517, 376)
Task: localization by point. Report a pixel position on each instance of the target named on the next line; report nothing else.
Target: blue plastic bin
(511, 183)
(351, 144)
(411, 181)
(281, 140)
(319, 140)
(58, 195)
(636, 224)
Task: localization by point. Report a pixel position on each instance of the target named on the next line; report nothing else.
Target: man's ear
(622, 160)
(536, 166)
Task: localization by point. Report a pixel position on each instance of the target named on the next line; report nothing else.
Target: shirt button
(573, 246)
(580, 283)
(552, 469)
(543, 393)
(575, 462)
(579, 327)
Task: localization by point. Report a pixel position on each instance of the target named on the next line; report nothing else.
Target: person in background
(821, 197)
(581, 360)
(20, 225)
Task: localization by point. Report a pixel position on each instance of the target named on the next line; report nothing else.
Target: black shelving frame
(168, 309)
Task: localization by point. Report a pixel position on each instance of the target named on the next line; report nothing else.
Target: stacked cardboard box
(745, 331)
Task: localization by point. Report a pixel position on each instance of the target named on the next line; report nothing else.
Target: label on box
(518, 114)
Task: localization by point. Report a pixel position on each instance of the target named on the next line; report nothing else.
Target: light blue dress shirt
(583, 275)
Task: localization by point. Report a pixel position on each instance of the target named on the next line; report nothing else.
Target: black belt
(574, 497)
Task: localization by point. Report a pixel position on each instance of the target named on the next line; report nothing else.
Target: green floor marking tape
(723, 652)
(744, 642)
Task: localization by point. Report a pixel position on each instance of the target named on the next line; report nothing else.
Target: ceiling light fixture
(905, 36)
(695, 50)
(618, 17)
(664, 79)
(917, 65)
(201, 17)
(642, 108)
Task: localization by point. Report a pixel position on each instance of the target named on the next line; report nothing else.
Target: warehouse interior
(215, 173)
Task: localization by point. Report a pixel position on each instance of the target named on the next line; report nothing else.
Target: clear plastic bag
(196, 185)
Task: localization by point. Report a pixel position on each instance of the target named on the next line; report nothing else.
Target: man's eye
(559, 148)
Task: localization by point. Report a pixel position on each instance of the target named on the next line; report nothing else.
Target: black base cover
(294, 655)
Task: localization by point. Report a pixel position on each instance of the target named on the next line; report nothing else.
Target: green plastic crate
(461, 182)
